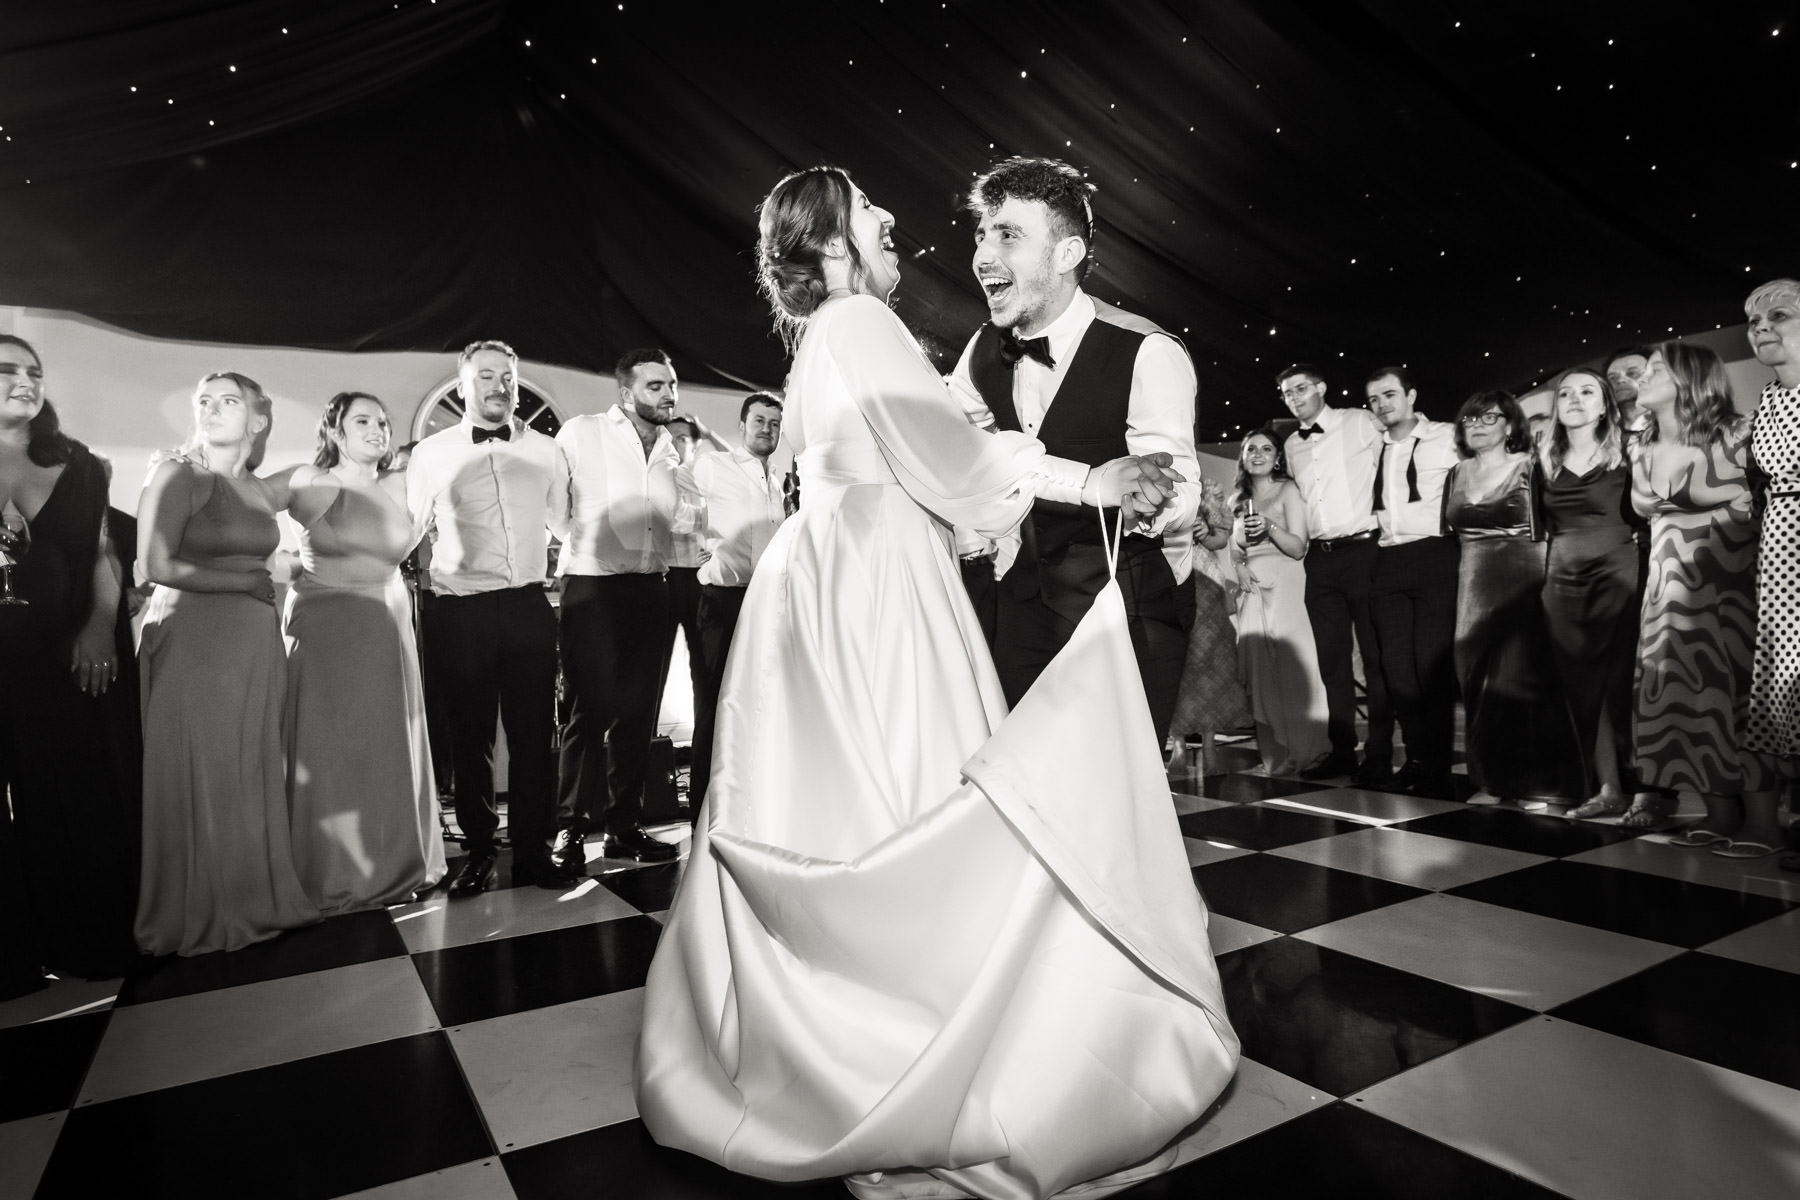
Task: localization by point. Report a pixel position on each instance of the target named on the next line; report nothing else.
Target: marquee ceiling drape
(1483, 191)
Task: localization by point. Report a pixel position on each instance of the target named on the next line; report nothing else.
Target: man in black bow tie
(492, 488)
(1093, 384)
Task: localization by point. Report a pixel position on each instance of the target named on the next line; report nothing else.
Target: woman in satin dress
(921, 943)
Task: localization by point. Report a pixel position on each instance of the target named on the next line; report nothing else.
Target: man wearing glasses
(1413, 600)
(1333, 456)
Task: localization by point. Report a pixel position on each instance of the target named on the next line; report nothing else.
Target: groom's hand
(1140, 486)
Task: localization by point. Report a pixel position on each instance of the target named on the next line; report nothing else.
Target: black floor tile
(1342, 1023)
(304, 1130)
(509, 975)
(1343, 1152)
(1515, 829)
(1251, 827)
(647, 889)
(1732, 1014)
(1288, 896)
(1247, 789)
(1628, 902)
(338, 942)
(42, 1064)
(621, 1160)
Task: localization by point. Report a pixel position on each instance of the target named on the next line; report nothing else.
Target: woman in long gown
(69, 740)
(1276, 653)
(364, 801)
(1211, 697)
(218, 867)
(1518, 734)
(915, 944)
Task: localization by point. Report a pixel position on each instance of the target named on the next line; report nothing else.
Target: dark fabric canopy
(1483, 191)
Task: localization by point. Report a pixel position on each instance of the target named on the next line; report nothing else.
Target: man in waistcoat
(1093, 384)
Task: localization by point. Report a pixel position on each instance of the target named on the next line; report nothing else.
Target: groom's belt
(1330, 544)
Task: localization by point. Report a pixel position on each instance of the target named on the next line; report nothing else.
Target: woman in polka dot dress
(1774, 716)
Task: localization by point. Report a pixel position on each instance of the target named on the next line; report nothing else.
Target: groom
(1092, 383)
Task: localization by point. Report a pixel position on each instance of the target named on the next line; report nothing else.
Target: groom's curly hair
(1060, 188)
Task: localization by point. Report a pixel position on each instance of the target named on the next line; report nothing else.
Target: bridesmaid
(364, 804)
(1693, 694)
(1591, 584)
(218, 868)
(1211, 697)
(1519, 736)
(1276, 653)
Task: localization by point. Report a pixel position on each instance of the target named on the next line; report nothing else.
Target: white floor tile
(1652, 855)
(440, 922)
(1772, 943)
(484, 1179)
(1200, 853)
(552, 1072)
(1257, 1098)
(1186, 803)
(1403, 856)
(1227, 933)
(1598, 1117)
(63, 998)
(1371, 808)
(204, 1036)
(25, 1147)
(1518, 957)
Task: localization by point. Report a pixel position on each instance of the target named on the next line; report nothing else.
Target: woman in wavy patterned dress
(218, 866)
(937, 948)
(1699, 622)
(365, 812)
(1212, 696)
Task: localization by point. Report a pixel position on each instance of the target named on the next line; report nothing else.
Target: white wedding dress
(920, 943)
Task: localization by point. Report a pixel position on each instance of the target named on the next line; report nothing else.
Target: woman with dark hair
(364, 803)
(1591, 585)
(1689, 477)
(868, 962)
(69, 743)
(1518, 734)
(218, 866)
(1276, 653)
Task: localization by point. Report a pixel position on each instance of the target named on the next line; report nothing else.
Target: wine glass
(15, 540)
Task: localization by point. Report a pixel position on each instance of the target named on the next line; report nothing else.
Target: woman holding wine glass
(69, 741)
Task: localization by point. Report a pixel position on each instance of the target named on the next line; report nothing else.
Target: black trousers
(684, 606)
(1339, 579)
(719, 609)
(494, 655)
(616, 634)
(1414, 607)
(984, 593)
(1030, 630)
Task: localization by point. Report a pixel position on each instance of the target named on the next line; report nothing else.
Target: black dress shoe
(476, 876)
(1330, 767)
(1373, 773)
(545, 872)
(634, 843)
(569, 851)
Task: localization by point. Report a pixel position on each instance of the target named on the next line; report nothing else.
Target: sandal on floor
(1733, 849)
(1597, 807)
(1698, 839)
(1645, 816)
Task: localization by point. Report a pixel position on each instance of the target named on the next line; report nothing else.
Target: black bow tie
(1306, 431)
(1013, 348)
(504, 433)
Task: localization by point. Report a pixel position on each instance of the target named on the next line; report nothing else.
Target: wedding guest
(687, 542)
(364, 802)
(1699, 623)
(1412, 598)
(743, 504)
(616, 625)
(1276, 656)
(1333, 457)
(69, 738)
(1625, 369)
(218, 861)
(1591, 583)
(1519, 737)
(493, 487)
(1212, 698)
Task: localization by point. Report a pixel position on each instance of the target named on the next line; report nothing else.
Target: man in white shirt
(1093, 384)
(687, 543)
(1332, 457)
(617, 624)
(744, 508)
(494, 488)
(1413, 599)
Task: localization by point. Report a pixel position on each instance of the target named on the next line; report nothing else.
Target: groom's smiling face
(1015, 263)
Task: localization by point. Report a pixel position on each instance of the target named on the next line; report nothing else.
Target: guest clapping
(218, 866)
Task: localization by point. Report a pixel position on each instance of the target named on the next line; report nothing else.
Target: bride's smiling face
(872, 232)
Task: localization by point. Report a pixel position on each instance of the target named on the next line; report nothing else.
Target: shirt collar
(469, 427)
(618, 416)
(1424, 430)
(1067, 329)
(1329, 419)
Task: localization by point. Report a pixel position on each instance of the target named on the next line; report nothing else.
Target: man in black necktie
(1093, 384)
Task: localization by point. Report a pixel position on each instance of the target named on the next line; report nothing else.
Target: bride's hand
(1139, 485)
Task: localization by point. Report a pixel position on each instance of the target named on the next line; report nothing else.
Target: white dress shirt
(493, 506)
(1335, 471)
(1159, 417)
(743, 511)
(621, 500)
(1431, 450)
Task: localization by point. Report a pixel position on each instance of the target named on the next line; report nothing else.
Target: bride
(921, 943)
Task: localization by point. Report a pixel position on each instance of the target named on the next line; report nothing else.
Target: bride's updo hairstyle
(799, 218)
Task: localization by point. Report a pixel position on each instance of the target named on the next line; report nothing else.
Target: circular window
(443, 407)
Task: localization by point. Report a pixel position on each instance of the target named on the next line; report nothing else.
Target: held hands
(1139, 485)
